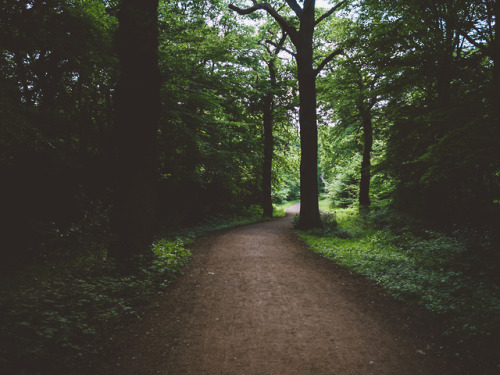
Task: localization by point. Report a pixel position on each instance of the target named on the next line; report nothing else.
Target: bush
(343, 191)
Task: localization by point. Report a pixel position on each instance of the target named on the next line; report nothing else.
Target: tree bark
(267, 204)
(309, 208)
(364, 182)
(268, 120)
(137, 112)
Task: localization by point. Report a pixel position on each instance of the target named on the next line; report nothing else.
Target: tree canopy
(406, 113)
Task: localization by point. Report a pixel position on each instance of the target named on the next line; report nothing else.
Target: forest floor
(255, 300)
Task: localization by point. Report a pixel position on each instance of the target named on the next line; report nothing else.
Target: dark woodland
(126, 126)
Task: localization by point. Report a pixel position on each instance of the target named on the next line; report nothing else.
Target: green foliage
(170, 258)
(442, 124)
(65, 314)
(210, 138)
(425, 267)
(343, 190)
(286, 164)
(429, 92)
(57, 72)
(210, 223)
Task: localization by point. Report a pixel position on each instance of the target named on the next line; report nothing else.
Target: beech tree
(268, 107)
(302, 39)
(137, 106)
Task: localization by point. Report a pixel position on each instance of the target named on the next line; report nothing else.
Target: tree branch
(330, 12)
(483, 48)
(307, 3)
(266, 47)
(327, 59)
(279, 46)
(289, 29)
(282, 40)
(295, 7)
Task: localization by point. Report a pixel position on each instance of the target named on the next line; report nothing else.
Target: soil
(255, 300)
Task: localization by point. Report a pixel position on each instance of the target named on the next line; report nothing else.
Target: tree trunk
(496, 64)
(268, 120)
(303, 42)
(309, 209)
(267, 204)
(364, 183)
(137, 112)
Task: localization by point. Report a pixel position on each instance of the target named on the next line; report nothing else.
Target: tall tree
(268, 107)
(352, 88)
(302, 39)
(135, 135)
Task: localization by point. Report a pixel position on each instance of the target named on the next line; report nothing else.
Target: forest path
(255, 300)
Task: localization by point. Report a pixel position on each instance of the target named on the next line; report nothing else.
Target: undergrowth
(439, 271)
(58, 314)
(68, 312)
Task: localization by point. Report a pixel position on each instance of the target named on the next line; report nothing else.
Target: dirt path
(255, 300)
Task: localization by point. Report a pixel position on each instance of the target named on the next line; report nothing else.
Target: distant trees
(420, 70)
(352, 89)
(268, 108)
(210, 129)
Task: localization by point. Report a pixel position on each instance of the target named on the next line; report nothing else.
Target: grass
(279, 209)
(324, 205)
(438, 271)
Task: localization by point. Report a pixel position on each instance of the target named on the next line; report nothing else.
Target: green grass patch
(325, 205)
(279, 209)
(424, 267)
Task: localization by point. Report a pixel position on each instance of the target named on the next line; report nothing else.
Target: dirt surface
(255, 300)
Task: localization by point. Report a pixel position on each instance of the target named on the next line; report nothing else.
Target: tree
(351, 89)
(210, 129)
(268, 108)
(57, 71)
(441, 104)
(136, 127)
(302, 39)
